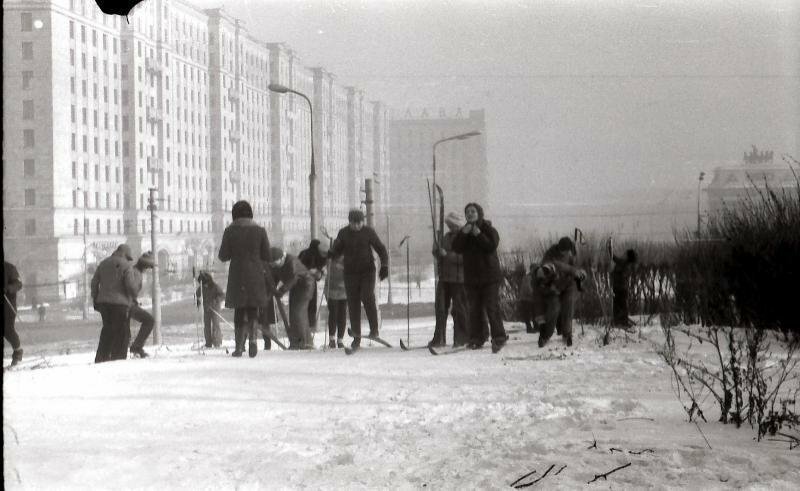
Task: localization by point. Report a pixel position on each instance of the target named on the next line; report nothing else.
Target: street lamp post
(436, 238)
(85, 262)
(312, 175)
(699, 181)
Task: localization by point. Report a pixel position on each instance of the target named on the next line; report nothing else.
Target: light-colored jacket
(114, 281)
(334, 282)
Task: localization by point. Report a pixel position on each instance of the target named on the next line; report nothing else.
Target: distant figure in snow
(209, 296)
(315, 260)
(11, 285)
(113, 286)
(336, 296)
(556, 285)
(298, 282)
(620, 285)
(450, 288)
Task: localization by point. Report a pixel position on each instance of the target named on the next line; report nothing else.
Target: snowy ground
(382, 419)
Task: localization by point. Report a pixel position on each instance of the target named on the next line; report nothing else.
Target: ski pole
(408, 291)
(10, 305)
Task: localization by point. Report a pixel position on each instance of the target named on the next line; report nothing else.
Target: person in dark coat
(315, 260)
(246, 246)
(356, 242)
(298, 282)
(527, 305)
(620, 285)
(477, 242)
(112, 284)
(209, 297)
(11, 285)
(137, 313)
(557, 283)
(450, 288)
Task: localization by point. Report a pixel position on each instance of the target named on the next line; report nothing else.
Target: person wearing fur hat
(556, 284)
(356, 242)
(294, 278)
(450, 288)
(246, 246)
(477, 242)
(314, 259)
(111, 287)
(209, 296)
(137, 313)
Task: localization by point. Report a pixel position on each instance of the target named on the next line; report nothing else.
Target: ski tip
(433, 351)
(403, 346)
(349, 351)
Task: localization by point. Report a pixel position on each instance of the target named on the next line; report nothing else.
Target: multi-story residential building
(99, 110)
(461, 168)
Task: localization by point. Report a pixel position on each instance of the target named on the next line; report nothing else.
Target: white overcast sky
(583, 97)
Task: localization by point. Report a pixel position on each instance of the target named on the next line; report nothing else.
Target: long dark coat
(245, 245)
(479, 252)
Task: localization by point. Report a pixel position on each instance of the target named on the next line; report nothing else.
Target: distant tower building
(732, 184)
(461, 168)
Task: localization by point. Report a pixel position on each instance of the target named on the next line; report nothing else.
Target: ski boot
(138, 352)
(339, 343)
(16, 357)
(332, 344)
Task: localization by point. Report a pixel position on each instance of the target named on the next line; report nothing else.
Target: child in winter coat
(209, 296)
(296, 280)
(337, 302)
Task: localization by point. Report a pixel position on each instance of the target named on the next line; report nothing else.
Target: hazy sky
(583, 97)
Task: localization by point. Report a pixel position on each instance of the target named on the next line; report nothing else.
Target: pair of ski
(349, 351)
(433, 350)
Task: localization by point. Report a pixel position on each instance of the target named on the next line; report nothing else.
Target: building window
(26, 19)
(76, 227)
(72, 113)
(27, 50)
(71, 85)
(28, 139)
(27, 109)
(29, 167)
(72, 57)
(83, 34)
(30, 226)
(30, 197)
(27, 76)
(71, 29)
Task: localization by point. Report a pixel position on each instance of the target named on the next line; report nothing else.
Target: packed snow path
(382, 419)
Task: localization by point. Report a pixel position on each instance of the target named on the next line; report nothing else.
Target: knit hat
(146, 260)
(454, 220)
(277, 254)
(566, 244)
(241, 209)
(355, 216)
(125, 250)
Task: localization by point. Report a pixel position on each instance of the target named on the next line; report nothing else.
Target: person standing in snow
(11, 285)
(477, 242)
(246, 246)
(336, 297)
(209, 296)
(557, 283)
(294, 278)
(137, 313)
(112, 284)
(450, 288)
(620, 285)
(527, 305)
(356, 242)
(314, 259)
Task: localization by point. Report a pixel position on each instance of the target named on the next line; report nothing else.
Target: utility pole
(85, 265)
(369, 203)
(699, 182)
(156, 288)
(389, 278)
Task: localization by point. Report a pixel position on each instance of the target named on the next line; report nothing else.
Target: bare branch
(605, 476)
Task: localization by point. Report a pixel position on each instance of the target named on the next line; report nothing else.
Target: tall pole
(699, 181)
(156, 286)
(389, 278)
(312, 175)
(85, 265)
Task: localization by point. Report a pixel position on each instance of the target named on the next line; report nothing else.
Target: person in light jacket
(111, 287)
(450, 288)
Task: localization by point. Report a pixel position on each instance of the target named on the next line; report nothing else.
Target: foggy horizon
(587, 100)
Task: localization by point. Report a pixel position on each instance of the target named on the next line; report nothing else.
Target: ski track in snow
(381, 419)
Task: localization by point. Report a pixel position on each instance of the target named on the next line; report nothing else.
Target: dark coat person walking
(295, 279)
(209, 296)
(112, 284)
(11, 285)
(246, 246)
(450, 288)
(314, 259)
(356, 242)
(477, 242)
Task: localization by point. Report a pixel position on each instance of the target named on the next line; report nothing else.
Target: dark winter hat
(125, 251)
(146, 261)
(477, 207)
(355, 216)
(242, 209)
(566, 244)
(632, 256)
(314, 244)
(276, 253)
